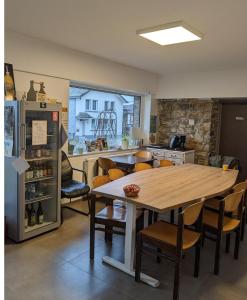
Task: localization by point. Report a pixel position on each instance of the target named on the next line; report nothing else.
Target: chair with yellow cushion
(166, 163)
(214, 203)
(144, 154)
(115, 174)
(171, 241)
(141, 167)
(112, 216)
(217, 224)
(106, 164)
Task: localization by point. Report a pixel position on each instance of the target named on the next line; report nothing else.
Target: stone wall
(174, 116)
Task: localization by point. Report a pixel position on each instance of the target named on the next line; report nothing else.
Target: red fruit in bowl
(131, 190)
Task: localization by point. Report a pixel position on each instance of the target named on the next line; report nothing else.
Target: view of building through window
(100, 120)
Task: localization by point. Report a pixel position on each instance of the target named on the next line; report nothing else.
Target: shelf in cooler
(39, 158)
(29, 135)
(37, 226)
(38, 199)
(39, 179)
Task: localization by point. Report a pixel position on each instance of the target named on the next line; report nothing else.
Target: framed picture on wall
(9, 82)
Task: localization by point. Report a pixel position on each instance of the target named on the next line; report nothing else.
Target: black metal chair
(72, 188)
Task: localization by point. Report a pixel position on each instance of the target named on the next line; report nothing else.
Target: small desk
(163, 189)
(128, 161)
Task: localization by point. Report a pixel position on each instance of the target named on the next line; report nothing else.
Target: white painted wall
(225, 83)
(34, 55)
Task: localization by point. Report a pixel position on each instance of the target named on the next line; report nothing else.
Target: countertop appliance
(177, 141)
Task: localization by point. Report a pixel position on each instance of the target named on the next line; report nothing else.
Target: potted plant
(125, 142)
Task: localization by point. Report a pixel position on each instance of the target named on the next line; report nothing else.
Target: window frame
(140, 96)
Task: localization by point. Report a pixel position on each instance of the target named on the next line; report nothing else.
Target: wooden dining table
(128, 161)
(163, 189)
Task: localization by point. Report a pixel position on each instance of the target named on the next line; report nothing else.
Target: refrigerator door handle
(23, 137)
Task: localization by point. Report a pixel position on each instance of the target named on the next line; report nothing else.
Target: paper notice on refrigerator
(21, 165)
(39, 132)
(8, 147)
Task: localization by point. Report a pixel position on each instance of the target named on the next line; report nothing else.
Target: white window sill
(112, 151)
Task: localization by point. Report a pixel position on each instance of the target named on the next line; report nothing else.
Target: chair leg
(89, 205)
(150, 217)
(92, 227)
(237, 242)
(109, 235)
(228, 241)
(172, 216)
(203, 239)
(176, 280)
(197, 259)
(217, 255)
(243, 225)
(106, 233)
(155, 217)
(158, 258)
(138, 258)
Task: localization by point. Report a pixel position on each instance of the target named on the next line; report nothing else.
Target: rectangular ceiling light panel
(172, 33)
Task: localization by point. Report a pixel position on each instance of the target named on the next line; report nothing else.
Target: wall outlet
(191, 122)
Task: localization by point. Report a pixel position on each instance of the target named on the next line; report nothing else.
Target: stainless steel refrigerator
(32, 198)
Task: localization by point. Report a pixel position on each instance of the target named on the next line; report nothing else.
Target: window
(106, 105)
(93, 124)
(88, 101)
(95, 115)
(95, 102)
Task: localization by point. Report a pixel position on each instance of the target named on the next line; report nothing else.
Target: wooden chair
(217, 223)
(141, 167)
(112, 216)
(214, 203)
(106, 164)
(144, 154)
(115, 174)
(171, 241)
(166, 163)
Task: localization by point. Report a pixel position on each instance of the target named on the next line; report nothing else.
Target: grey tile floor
(56, 265)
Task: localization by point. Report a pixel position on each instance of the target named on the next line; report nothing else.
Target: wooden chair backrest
(144, 154)
(232, 201)
(115, 174)
(242, 186)
(100, 180)
(106, 164)
(192, 212)
(165, 163)
(141, 167)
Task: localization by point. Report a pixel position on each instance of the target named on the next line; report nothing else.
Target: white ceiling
(107, 28)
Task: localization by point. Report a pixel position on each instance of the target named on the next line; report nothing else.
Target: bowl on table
(131, 190)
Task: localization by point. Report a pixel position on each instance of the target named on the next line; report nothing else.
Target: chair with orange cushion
(115, 174)
(217, 223)
(166, 163)
(171, 241)
(214, 203)
(112, 216)
(144, 154)
(106, 164)
(141, 167)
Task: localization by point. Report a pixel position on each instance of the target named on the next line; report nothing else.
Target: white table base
(129, 252)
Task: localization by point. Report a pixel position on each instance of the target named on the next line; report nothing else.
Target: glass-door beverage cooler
(32, 198)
